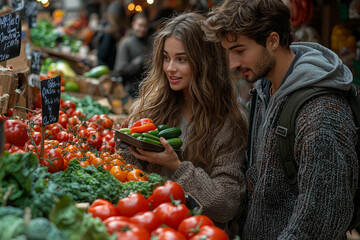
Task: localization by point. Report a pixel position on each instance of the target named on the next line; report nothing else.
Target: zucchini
(150, 140)
(148, 135)
(162, 127)
(124, 130)
(154, 132)
(136, 135)
(175, 142)
(172, 132)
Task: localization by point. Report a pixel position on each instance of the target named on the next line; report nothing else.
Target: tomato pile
(90, 141)
(135, 217)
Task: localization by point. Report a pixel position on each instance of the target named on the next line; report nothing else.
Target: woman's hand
(168, 158)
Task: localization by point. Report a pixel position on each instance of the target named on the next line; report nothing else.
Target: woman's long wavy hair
(212, 89)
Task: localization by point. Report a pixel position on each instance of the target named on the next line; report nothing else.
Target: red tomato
(69, 112)
(106, 122)
(103, 209)
(55, 129)
(107, 132)
(15, 132)
(148, 220)
(172, 215)
(125, 229)
(53, 160)
(188, 226)
(36, 136)
(210, 233)
(63, 120)
(132, 204)
(167, 233)
(162, 194)
(63, 136)
(94, 118)
(68, 104)
(95, 139)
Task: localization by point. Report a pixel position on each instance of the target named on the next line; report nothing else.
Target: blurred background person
(107, 39)
(131, 54)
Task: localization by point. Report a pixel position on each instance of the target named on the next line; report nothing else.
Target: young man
(257, 35)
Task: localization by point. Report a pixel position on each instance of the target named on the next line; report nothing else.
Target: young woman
(188, 85)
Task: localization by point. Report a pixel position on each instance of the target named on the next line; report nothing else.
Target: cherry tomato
(189, 226)
(103, 209)
(132, 204)
(162, 194)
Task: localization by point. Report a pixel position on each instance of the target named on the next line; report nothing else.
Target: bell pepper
(142, 125)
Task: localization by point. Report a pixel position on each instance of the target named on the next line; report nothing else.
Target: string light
(138, 8)
(131, 7)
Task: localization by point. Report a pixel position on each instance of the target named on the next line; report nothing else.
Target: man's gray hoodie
(324, 150)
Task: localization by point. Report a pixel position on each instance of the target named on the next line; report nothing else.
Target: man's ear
(272, 41)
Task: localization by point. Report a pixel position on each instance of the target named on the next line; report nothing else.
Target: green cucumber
(124, 130)
(175, 142)
(162, 127)
(172, 132)
(154, 132)
(150, 140)
(148, 135)
(136, 135)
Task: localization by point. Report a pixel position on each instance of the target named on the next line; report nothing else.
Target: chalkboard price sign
(10, 36)
(17, 5)
(50, 98)
(36, 62)
(31, 12)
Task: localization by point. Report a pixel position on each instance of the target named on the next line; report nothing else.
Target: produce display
(39, 192)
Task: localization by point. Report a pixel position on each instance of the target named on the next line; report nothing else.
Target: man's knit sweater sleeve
(328, 170)
(221, 192)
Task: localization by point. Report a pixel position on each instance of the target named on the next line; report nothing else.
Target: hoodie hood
(318, 66)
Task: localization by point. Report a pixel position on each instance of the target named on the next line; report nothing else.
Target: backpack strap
(286, 129)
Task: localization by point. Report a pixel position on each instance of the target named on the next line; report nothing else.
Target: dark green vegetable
(150, 140)
(172, 132)
(162, 127)
(27, 182)
(136, 135)
(148, 135)
(154, 132)
(89, 183)
(175, 142)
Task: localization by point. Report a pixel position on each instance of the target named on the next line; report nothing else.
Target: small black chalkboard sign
(10, 32)
(17, 5)
(31, 11)
(35, 66)
(50, 98)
